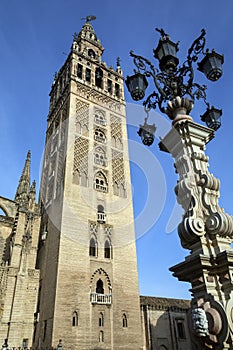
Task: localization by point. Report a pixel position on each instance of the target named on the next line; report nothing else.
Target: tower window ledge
(97, 298)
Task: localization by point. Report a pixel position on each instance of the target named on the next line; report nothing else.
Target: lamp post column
(206, 230)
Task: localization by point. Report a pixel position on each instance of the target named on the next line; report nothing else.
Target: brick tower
(88, 293)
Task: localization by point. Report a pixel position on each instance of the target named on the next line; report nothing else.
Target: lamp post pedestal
(206, 230)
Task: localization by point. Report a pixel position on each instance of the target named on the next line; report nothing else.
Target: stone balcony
(97, 298)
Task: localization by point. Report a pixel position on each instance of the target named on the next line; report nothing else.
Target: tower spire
(24, 181)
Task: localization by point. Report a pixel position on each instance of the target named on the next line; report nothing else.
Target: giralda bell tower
(88, 293)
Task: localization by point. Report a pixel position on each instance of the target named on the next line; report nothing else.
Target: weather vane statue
(89, 18)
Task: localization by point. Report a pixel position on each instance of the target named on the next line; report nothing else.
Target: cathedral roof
(164, 303)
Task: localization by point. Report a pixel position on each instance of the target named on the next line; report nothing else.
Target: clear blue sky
(34, 38)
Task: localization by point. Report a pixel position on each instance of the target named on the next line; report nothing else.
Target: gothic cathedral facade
(69, 267)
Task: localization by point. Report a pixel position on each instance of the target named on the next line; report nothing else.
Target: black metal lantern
(5, 345)
(212, 118)
(147, 133)
(211, 65)
(137, 85)
(166, 53)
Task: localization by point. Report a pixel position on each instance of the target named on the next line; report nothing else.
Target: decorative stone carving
(96, 96)
(179, 108)
(206, 230)
(116, 129)
(118, 175)
(200, 322)
(82, 115)
(220, 223)
(108, 230)
(81, 148)
(93, 228)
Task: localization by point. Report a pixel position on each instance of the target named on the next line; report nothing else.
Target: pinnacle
(24, 182)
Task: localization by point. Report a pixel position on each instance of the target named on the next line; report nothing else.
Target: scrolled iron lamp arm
(172, 80)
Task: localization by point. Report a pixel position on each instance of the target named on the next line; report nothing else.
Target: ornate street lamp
(172, 80)
(206, 230)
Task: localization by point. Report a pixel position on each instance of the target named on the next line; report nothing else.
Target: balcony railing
(100, 161)
(101, 217)
(100, 138)
(97, 298)
(102, 188)
(100, 121)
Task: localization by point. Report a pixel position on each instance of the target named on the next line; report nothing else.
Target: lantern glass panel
(166, 54)
(211, 65)
(147, 133)
(212, 118)
(137, 85)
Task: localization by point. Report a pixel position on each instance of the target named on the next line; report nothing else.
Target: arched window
(84, 179)
(75, 319)
(76, 178)
(85, 130)
(91, 53)
(100, 208)
(99, 78)
(93, 247)
(100, 119)
(100, 157)
(101, 337)
(80, 178)
(80, 71)
(100, 183)
(107, 249)
(99, 136)
(122, 191)
(118, 143)
(101, 319)
(180, 329)
(100, 214)
(82, 129)
(116, 188)
(109, 86)
(88, 75)
(99, 287)
(113, 141)
(124, 321)
(117, 90)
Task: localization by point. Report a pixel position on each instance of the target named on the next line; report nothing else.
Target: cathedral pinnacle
(24, 182)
